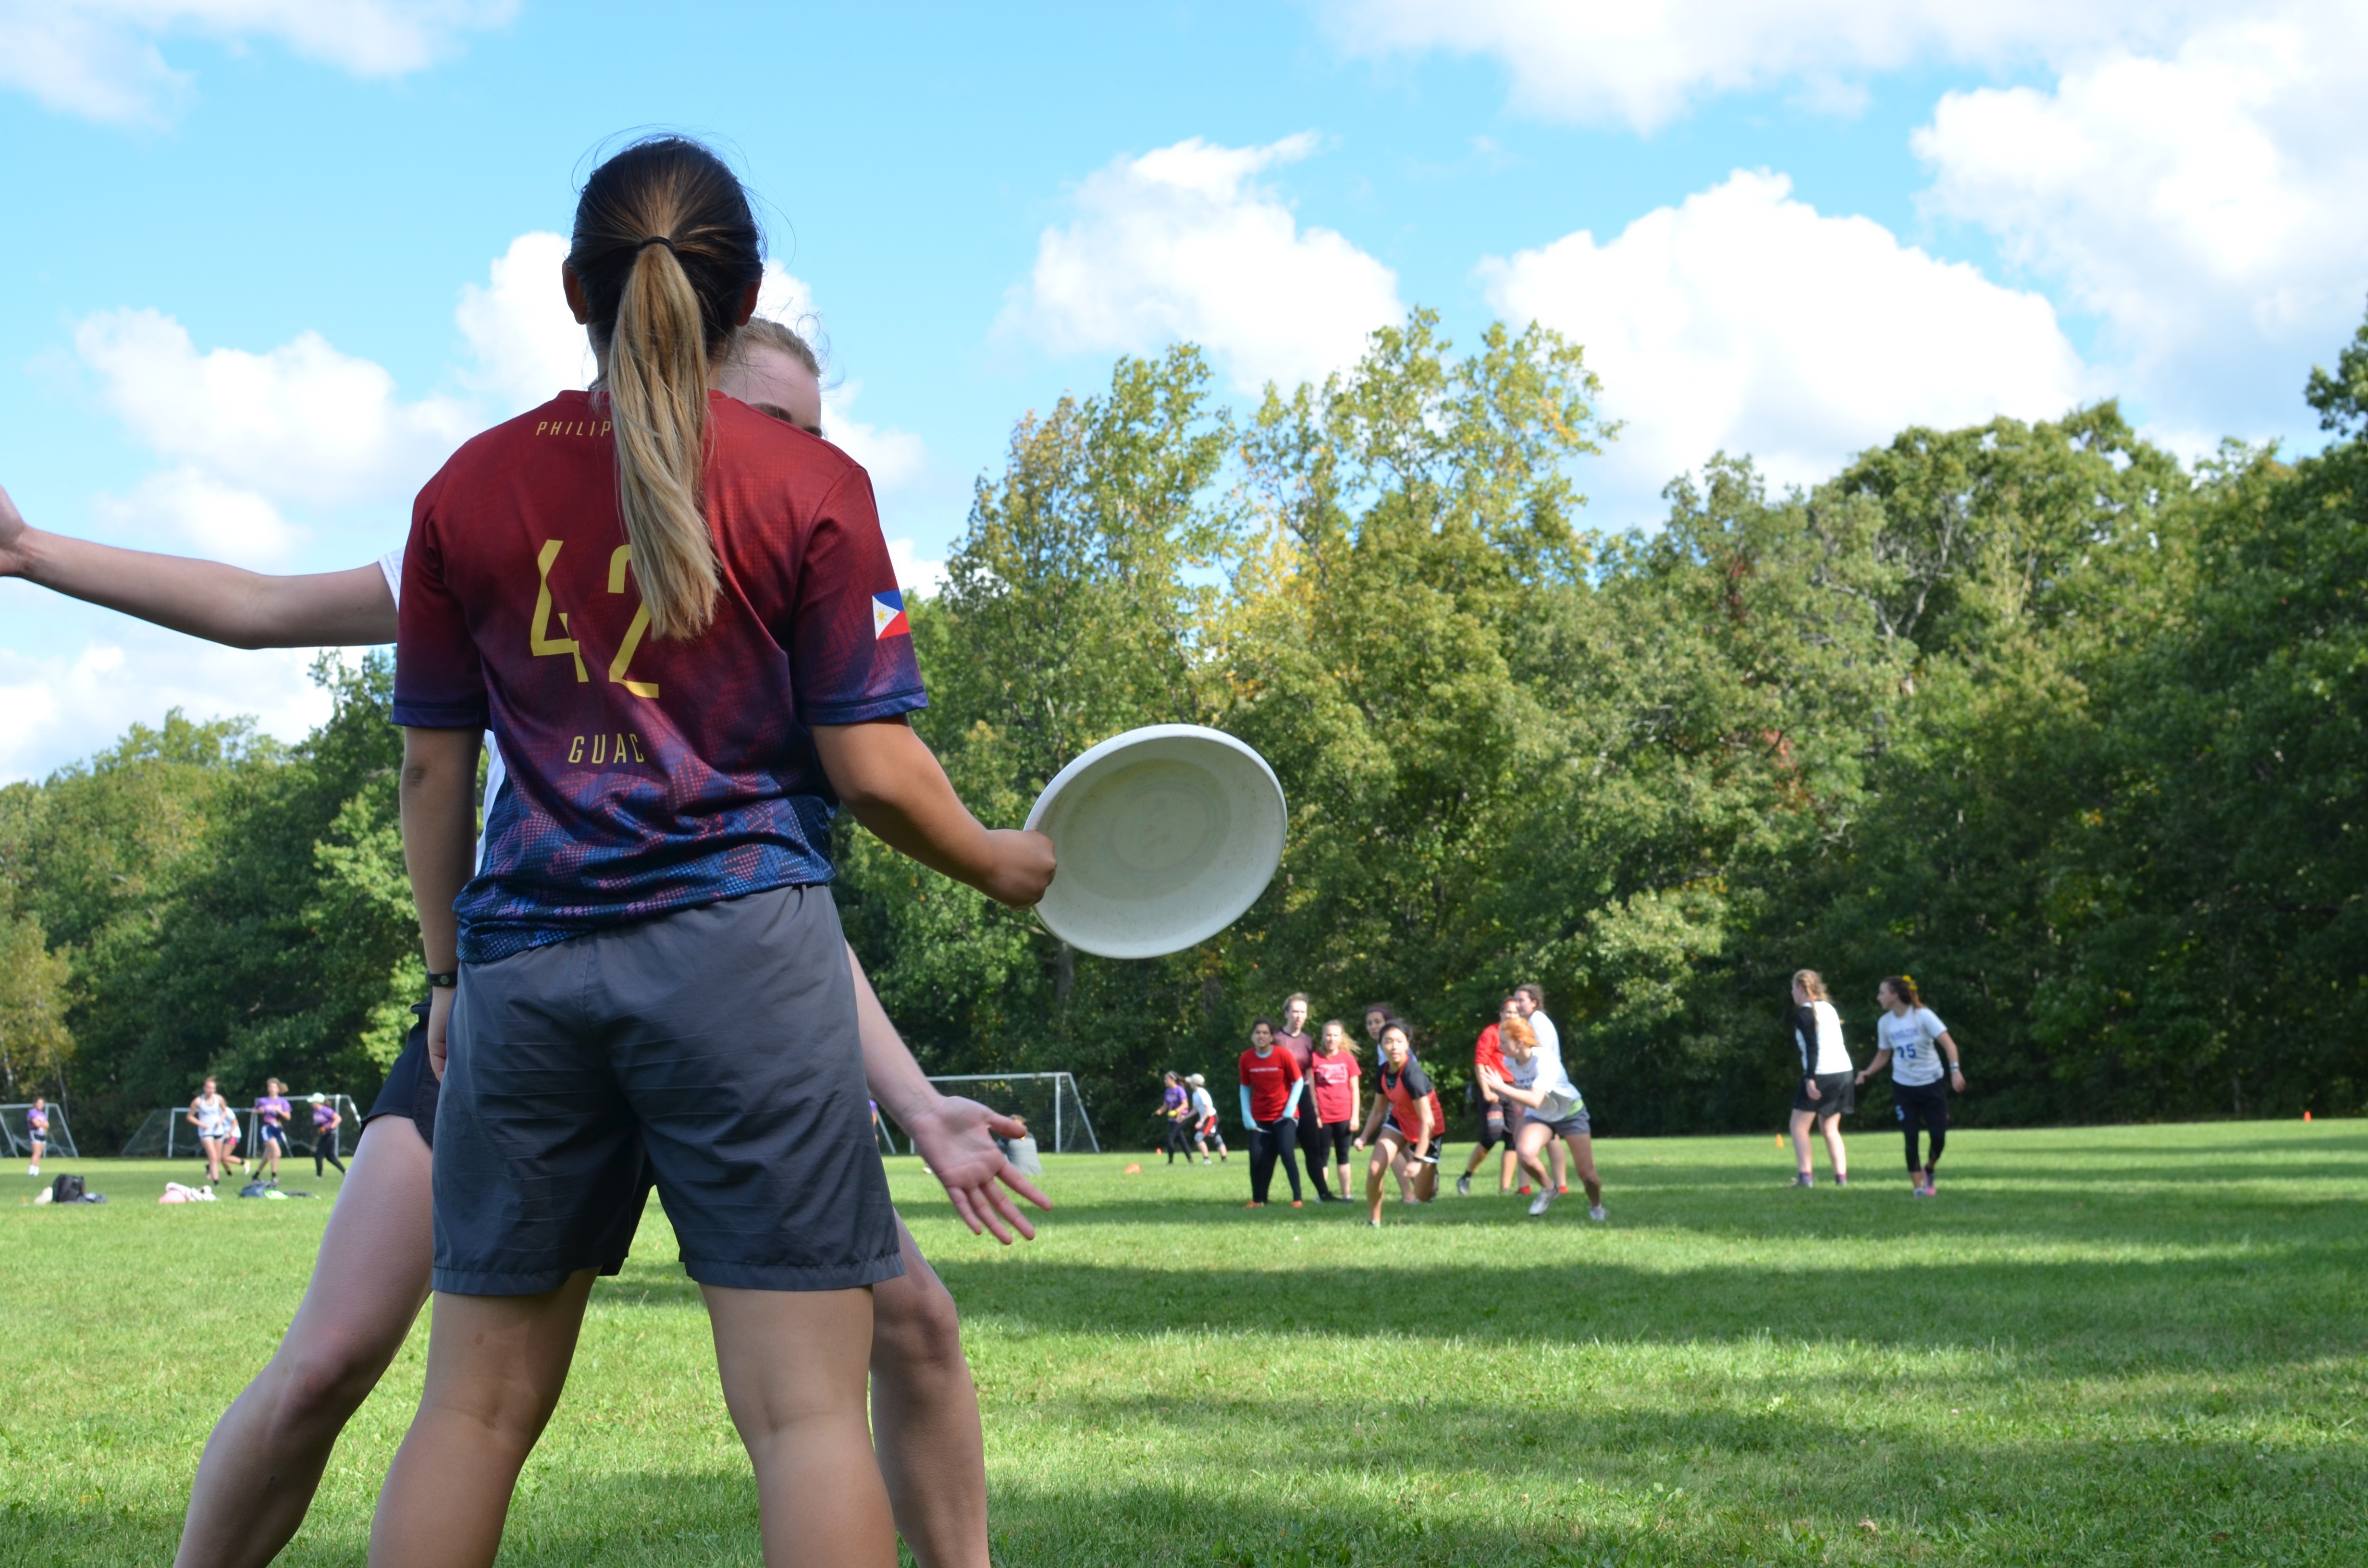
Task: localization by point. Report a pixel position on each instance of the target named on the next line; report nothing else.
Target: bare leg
(793, 1365)
(1374, 1169)
(1832, 1128)
(1506, 1168)
(496, 1367)
(1801, 1119)
(925, 1417)
(1533, 1137)
(266, 1456)
(1582, 1156)
(1561, 1169)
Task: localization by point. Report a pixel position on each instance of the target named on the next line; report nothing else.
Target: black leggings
(1179, 1139)
(1271, 1141)
(1310, 1145)
(324, 1147)
(1922, 1107)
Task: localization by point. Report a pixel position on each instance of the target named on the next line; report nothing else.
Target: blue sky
(267, 260)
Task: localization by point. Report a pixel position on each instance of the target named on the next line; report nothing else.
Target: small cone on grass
(1132, 1170)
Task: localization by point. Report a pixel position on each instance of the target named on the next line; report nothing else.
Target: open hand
(956, 1137)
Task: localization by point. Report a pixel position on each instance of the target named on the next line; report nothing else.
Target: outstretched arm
(955, 1136)
(204, 598)
(888, 776)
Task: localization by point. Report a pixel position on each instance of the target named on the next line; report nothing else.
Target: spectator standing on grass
(1824, 1092)
(1913, 1039)
(1332, 1077)
(1404, 1126)
(1176, 1110)
(1293, 1038)
(325, 1123)
(1552, 1111)
(271, 1113)
(37, 1131)
(1272, 1086)
(217, 1127)
(1531, 999)
(1498, 1122)
(1204, 1118)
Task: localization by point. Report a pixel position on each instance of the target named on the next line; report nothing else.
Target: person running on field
(37, 1133)
(1924, 1067)
(1293, 1038)
(1332, 1075)
(217, 1127)
(1403, 1126)
(271, 1113)
(1174, 1115)
(653, 907)
(1531, 999)
(1272, 1086)
(1205, 1119)
(325, 1123)
(1498, 1126)
(1552, 1109)
(1824, 1092)
(256, 1477)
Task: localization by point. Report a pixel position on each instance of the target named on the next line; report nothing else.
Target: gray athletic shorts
(1571, 1126)
(717, 1042)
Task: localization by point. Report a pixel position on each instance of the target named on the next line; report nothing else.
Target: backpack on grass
(67, 1189)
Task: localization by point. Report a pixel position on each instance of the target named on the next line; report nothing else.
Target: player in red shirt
(1332, 1075)
(1497, 1129)
(1293, 1038)
(1407, 1138)
(679, 618)
(1272, 1086)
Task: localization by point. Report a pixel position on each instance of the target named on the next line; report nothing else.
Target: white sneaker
(1596, 1212)
(1543, 1201)
(32, 1170)
(1464, 1184)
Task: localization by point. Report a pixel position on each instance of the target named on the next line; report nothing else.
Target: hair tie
(657, 240)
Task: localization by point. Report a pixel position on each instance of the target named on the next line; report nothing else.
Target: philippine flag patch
(888, 616)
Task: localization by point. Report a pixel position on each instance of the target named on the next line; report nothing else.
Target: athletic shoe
(1543, 1201)
(1804, 1181)
(1253, 1203)
(1296, 1203)
(1562, 1191)
(1923, 1191)
(1464, 1184)
(1596, 1213)
(1525, 1190)
(1375, 1223)
(1842, 1181)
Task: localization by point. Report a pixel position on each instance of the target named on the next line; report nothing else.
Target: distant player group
(1302, 1102)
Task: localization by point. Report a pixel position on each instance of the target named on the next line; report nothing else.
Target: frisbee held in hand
(1165, 835)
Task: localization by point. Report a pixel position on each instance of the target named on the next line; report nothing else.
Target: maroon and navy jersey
(644, 776)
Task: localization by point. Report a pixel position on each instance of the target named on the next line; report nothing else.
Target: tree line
(2065, 727)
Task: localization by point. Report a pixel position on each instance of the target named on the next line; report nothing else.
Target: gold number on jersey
(618, 561)
(539, 636)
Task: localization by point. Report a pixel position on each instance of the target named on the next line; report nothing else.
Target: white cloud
(99, 58)
(61, 707)
(913, 573)
(1184, 244)
(186, 511)
(301, 422)
(526, 342)
(1745, 321)
(1641, 64)
(2204, 203)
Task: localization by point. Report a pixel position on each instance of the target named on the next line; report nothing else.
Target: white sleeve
(1929, 1022)
(390, 566)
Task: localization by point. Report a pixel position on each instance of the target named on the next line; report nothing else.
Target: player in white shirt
(1204, 1118)
(1916, 1043)
(1552, 1111)
(1530, 998)
(1822, 1092)
(257, 1475)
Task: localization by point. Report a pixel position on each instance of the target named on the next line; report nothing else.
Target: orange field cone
(2305, 1116)
(1780, 1140)
(1132, 1170)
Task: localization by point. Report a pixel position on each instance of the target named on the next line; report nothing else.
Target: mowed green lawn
(2143, 1346)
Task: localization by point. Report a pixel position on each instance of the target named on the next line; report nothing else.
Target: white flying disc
(1165, 835)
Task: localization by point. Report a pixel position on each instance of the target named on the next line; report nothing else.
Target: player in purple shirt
(325, 1123)
(271, 1112)
(37, 1129)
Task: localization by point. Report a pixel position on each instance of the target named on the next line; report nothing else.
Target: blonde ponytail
(657, 395)
(668, 257)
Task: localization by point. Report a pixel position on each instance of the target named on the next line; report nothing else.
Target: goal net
(15, 1127)
(168, 1134)
(1047, 1102)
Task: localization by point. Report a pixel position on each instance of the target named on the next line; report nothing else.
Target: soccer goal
(166, 1135)
(17, 1130)
(1047, 1102)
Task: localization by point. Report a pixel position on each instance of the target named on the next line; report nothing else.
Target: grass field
(2141, 1346)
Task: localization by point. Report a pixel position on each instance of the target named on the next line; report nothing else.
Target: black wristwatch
(444, 979)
